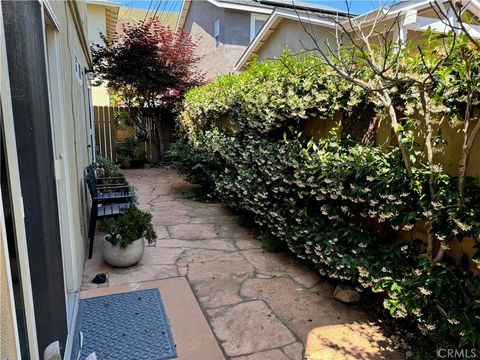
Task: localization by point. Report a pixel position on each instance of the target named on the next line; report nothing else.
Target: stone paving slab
(260, 305)
(249, 327)
(216, 283)
(301, 310)
(355, 341)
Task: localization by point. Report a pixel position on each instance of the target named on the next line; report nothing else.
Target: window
(256, 24)
(216, 33)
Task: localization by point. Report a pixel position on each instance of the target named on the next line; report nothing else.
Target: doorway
(62, 175)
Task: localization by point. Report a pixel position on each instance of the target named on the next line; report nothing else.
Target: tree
(148, 67)
(412, 85)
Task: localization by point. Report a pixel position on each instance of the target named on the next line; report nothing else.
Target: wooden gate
(108, 136)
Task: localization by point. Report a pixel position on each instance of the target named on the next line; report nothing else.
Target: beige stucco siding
(291, 35)
(77, 130)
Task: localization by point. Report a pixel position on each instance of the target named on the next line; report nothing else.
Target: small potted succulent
(126, 234)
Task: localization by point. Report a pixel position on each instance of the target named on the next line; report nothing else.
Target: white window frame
(216, 33)
(254, 17)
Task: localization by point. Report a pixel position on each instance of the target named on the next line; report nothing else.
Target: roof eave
(223, 5)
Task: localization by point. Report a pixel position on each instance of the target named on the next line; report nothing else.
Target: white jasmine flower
(444, 246)
(427, 213)
(437, 205)
(463, 227)
(399, 314)
(362, 271)
(453, 321)
(424, 291)
(417, 312)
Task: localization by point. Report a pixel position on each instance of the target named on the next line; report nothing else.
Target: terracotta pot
(123, 257)
(125, 164)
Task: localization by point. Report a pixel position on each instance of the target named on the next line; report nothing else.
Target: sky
(356, 6)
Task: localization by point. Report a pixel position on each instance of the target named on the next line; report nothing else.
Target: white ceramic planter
(122, 257)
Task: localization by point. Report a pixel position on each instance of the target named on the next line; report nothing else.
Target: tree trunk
(160, 136)
(387, 101)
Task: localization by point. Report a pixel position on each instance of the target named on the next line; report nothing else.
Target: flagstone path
(260, 305)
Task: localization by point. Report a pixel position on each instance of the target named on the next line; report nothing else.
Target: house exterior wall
(290, 35)
(236, 33)
(97, 23)
(77, 131)
(234, 36)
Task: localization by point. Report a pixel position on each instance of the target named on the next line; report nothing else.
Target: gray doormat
(126, 326)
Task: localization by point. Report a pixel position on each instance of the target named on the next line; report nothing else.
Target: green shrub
(129, 150)
(107, 168)
(334, 202)
(131, 225)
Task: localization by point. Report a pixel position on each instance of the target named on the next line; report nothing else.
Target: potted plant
(130, 155)
(138, 158)
(124, 160)
(109, 171)
(124, 242)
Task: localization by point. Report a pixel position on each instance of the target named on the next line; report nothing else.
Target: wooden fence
(108, 136)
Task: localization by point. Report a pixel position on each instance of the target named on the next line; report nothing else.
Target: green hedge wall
(334, 202)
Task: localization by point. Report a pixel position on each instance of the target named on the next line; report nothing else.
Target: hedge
(337, 203)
